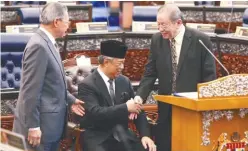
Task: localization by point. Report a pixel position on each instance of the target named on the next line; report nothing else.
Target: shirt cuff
(33, 129)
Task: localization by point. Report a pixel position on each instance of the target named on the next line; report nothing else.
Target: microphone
(214, 57)
(230, 22)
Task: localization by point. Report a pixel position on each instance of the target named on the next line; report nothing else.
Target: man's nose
(160, 28)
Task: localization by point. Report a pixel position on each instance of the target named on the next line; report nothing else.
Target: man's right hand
(133, 107)
(34, 137)
(137, 99)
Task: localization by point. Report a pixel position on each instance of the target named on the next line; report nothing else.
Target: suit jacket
(43, 96)
(195, 65)
(101, 116)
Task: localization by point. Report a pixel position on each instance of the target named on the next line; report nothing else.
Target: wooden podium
(224, 118)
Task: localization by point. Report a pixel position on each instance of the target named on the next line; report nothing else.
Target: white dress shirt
(179, 41)
(50, 37)
(105, 79)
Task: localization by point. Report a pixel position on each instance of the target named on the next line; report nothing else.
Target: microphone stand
(214, 57)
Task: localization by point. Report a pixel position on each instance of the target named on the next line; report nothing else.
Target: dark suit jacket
(101, 117)
(195, 65)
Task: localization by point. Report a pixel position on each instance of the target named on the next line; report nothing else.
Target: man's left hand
(77, 107)
(148, 143)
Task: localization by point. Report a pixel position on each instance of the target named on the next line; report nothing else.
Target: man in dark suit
(108, 102)
(179, 62)
(41, 111)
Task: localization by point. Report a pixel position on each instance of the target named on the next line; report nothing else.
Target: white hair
(172, 10)
(52, 11)
(101, 58)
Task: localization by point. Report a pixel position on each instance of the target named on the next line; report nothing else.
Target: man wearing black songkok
(108, 97)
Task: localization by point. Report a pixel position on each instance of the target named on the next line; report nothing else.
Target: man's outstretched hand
(77, 107)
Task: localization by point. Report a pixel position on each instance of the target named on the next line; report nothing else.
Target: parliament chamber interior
(226, 23)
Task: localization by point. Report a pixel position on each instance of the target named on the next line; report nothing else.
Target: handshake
(134, 106)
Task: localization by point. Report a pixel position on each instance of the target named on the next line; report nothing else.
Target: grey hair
(173, 11)
(52, 11)
(101, 59)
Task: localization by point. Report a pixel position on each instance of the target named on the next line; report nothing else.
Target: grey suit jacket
(43, 96)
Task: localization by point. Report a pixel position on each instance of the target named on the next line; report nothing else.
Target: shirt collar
(179, 37)
(48, 35)
(103, 75)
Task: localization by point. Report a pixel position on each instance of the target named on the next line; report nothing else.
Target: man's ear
(179, 21)
(56, 23)
(105, 62)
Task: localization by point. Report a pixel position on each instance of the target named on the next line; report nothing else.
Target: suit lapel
(102, 87)
(53, 52)
(166, 55)
(56, 56)
(184, 49)
(117, 91)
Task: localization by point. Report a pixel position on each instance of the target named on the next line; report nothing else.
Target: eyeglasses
(164, 25)
(66, 22)
(118, 63)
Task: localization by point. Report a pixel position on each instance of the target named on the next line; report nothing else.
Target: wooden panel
(225, 25)
(79, 7)
(3, 25)
(7, 122)
(235, 64)
(237, 124)
(15, 21)
(177, 101)
(205, 104)
(187, 129)
(222, 103)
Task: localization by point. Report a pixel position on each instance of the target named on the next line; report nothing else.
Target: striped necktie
(111, 91)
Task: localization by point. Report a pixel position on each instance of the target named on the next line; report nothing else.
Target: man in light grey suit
(41, 112)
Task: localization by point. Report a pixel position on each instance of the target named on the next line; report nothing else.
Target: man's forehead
(119, 60)
(162, 17)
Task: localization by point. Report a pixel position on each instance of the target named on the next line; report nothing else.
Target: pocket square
(124, 96)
